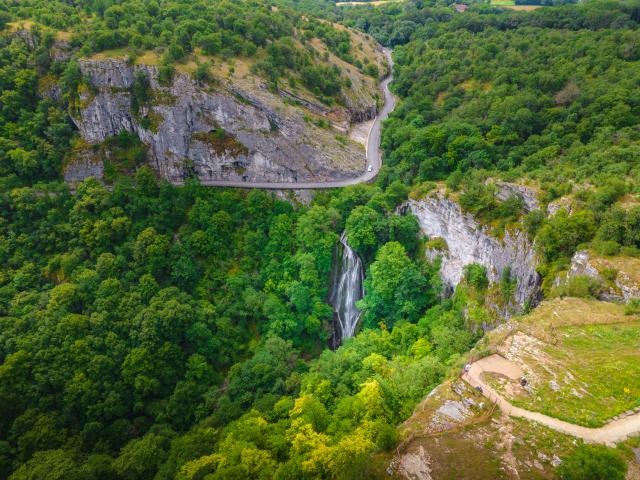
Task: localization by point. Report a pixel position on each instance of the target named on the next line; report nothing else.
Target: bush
(322, 79)
(476, 276)
(606, 247)
(561, 234)
(174, 53)
(372, 70)
(533, 221)
(580, 286)
(508, 284)
(387, 437)
(633, 307)
(593, 462)
(203, 72)
(140, 90)
(437, 243)
(165, 73)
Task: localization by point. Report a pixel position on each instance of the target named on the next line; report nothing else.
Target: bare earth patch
(359, 132)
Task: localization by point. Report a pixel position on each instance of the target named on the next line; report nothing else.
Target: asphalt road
(374, 155)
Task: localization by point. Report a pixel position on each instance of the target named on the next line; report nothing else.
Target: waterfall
(346, 289)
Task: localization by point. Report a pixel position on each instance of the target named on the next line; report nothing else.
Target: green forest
(149, 331)
(279, 38)
(557, 106)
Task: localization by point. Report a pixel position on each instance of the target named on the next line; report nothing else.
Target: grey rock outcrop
(60, 49)
(580, 265)
(621, 289)
(263, 139)
(527, 194)
(467, 242)
(84, 165)
(565, 203)
(28, 37)
(363, 114)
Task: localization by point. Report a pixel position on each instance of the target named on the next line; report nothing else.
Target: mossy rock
(222, 142)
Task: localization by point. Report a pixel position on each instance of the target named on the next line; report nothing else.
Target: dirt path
(610, 434)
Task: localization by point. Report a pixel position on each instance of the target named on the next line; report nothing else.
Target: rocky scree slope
(216, 131)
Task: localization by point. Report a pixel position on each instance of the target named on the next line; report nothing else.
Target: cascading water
(346, 290)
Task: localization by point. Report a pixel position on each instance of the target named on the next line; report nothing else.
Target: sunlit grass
(596, 372)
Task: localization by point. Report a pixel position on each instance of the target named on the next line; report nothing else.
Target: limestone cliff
(218, 131)
(466, 241)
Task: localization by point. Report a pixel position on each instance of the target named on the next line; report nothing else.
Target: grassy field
(511, 4)
(523, 8)
(583, 359)
(29, 24)
(373, 4)
(595, 373)
(583, 346)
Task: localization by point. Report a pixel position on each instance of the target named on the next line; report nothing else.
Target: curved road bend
(374, 156)
(611, 433)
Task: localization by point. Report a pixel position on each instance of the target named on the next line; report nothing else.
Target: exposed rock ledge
(528, 195)
(467, 241)
(623, 283)
(265, 139)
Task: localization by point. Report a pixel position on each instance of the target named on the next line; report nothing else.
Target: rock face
(563, 202)
(624, 285)
(216, 132)
(528, 195)
(467, 241)
(85, 165)
(60, 50)
(580, 265)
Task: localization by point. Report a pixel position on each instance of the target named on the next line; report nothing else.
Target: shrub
(632, 307)
(140, 90)
(372, 70)
(609, 274)
(437, 243)
(476, 276)
(606, 247)
(321, 79)
(593, 462)
(561, 234)
(580, 286)
(165, 73)
(421, 190)
(387, 437)
(508, 284)
(202, 72)
(533, 221)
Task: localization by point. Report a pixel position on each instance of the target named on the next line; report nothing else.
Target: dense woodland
(150, 331)
(277, 39)
(525, 99)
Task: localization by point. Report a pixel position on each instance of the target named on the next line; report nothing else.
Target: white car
(370, 169)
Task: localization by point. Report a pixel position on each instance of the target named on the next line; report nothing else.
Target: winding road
(374, 155)
(613, 432)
